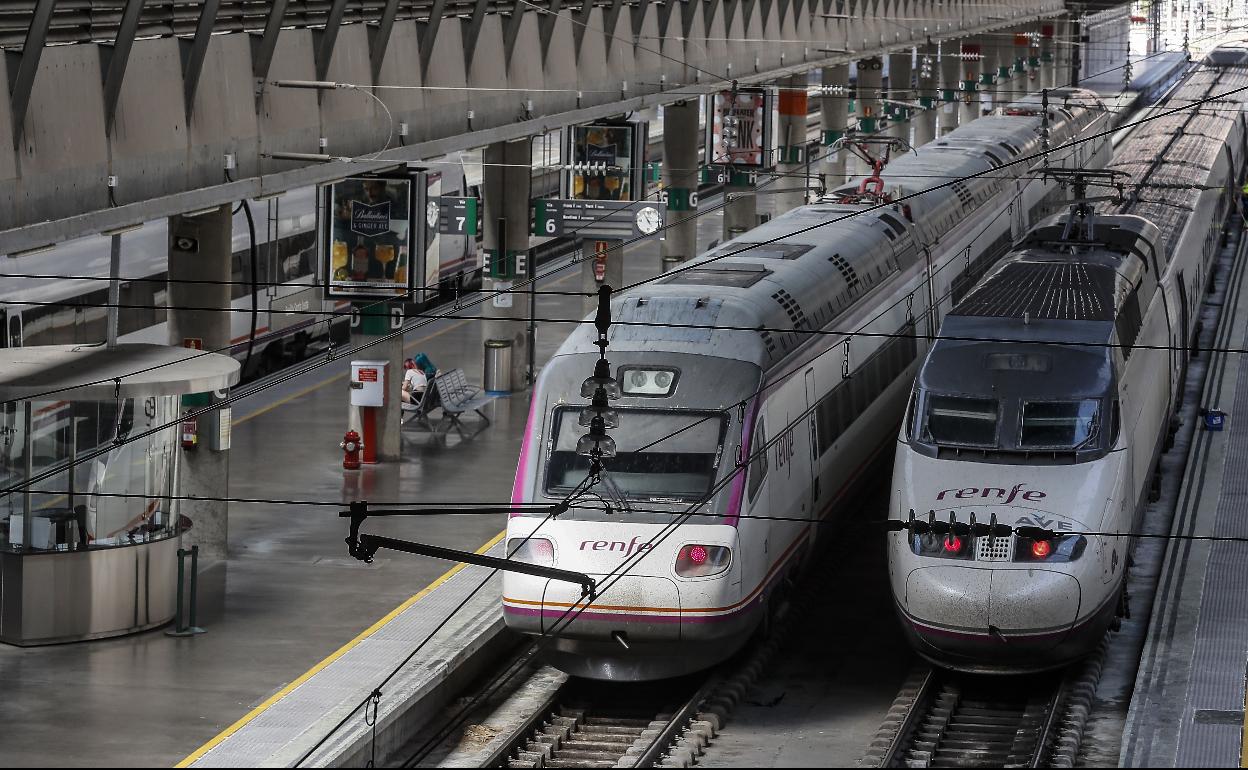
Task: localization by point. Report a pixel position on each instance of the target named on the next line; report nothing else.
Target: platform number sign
(589, 219)
(458, 216)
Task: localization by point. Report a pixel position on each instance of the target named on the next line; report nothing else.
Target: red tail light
(1041, 549)
(702, 560)
(953, 544)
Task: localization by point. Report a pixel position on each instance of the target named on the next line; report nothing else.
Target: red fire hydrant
(351, 447)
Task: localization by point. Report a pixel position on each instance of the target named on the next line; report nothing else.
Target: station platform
(1187, 708)
(290, 609)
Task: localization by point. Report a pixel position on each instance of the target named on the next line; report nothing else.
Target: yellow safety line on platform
(282, 693)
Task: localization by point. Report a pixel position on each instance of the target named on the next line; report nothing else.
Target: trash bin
(736, 232)
(498, 366)
(670, 263)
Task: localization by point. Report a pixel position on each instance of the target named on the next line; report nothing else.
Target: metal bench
(458, 396)
(419, 413)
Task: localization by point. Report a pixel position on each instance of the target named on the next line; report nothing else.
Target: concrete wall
(60, 165)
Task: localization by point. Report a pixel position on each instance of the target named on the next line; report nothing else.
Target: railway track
(592, 724)
(960, 720)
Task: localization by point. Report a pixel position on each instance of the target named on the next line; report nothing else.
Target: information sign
(739, 127)
(621, 220)
(458, 216)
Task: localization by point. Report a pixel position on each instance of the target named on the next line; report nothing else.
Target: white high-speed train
(1060, 425)
(810, 409)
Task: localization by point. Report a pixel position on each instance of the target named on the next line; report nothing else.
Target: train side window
(758, 465)
(1128, 322)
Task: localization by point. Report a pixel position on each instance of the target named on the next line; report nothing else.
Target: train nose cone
(976, 619)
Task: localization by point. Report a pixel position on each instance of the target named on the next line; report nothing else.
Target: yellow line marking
(282, 693)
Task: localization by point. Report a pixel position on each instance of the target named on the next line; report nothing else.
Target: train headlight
(1063, 548)
(534, 550)
(947, 546)
(702, 560)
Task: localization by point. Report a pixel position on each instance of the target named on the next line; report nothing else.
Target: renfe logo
(616, 545)
(966, 493)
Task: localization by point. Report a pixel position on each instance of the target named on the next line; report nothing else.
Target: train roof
(805, 269)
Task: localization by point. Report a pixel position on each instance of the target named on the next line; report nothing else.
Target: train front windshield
(661, 455)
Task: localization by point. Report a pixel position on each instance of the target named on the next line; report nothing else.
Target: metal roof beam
(194, 51)
(329, 37)
(22, 79)
(118, 57)
(379, 39)
(263, 46)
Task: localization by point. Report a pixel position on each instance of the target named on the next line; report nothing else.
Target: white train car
(729, 369)
(1061, 424)
(293, 317)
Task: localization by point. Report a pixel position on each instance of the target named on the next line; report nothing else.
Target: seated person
(415, 382)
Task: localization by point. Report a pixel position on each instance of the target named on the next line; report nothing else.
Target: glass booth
(89, 530)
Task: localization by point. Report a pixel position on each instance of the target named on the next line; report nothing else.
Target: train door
(13, 329)
(1183, 313)
(812, 398)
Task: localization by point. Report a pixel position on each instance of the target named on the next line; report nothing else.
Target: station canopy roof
(96, 372)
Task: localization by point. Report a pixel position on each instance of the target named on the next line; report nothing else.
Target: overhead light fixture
(30, 251)
(319, 85)
(123, 229)
(201, 212)
(269, 196)
(314, 157)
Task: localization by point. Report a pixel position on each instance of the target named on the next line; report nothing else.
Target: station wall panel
(289, 117)
(448, 110)
(352, 120)
(223, 118)
(149, 141)
(401, 67)
(63, 157)
(489, 70)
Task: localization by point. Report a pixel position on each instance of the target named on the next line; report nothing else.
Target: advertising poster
(610, 148)
(369, 244)
(739, 128)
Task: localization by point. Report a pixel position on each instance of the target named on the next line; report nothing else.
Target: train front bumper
(997, 620)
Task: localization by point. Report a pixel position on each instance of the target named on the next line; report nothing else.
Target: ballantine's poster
(369, 237)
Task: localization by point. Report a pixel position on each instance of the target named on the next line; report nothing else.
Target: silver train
(1061, 427)
(750, 381)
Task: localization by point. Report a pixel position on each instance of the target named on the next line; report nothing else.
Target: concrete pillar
(1003, 93)
(928, 95)
(900, 89)
(834, 115)
(681, 138)
(199, 277)
(972, 62)
(951, 75)
(740, 207)
(1048, 56)
(868, 110)
(506, 180)
(791, 145)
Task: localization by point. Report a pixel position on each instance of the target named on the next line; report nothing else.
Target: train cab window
(661, 455)
(1060, 424)
(959, 421)
(758, 465)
